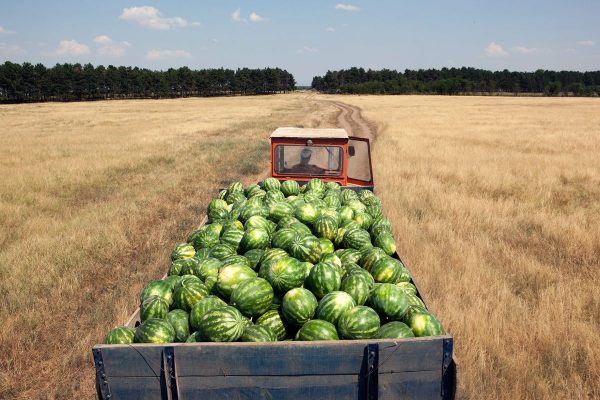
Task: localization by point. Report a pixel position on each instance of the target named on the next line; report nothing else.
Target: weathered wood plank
(415, 385)
(137, 360)
(136, 388)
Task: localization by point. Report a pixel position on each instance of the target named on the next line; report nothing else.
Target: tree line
(72, 82)
(451, 81)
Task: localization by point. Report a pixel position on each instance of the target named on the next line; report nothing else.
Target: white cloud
(71, 47)
(254, 17)
(307, 49)
(495, 50)
(10, 50)
(237, 16)
(167, 54)
(150, 17)
(330, 29)
(586, 43)
(346, 7)
(4, 31)
(527, 50)
(109, 47)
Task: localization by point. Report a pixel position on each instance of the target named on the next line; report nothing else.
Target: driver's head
(305, 155)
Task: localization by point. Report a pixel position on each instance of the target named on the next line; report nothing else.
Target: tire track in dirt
(352, 120)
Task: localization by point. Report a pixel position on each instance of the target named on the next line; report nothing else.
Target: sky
(305, 37)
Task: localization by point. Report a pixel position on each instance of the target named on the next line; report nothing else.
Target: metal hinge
(170, 374)
(102, 388)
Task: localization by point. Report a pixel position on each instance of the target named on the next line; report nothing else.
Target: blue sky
(305, 37)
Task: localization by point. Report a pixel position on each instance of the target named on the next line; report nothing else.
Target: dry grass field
(93, 196)
(496, 207)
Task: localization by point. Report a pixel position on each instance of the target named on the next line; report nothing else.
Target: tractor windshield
(308, 160)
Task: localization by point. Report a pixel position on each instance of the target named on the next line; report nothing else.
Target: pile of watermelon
(280, 261)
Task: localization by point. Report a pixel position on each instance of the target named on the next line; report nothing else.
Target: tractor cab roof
(310, 133)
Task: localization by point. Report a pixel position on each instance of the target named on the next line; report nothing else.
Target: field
(495, 202)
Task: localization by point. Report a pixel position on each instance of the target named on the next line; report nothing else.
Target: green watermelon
(322, 279)
(272, 197)
(326, 246)
(183, 250)
(180, 321)
(188, 292)
(395, 330)
(232, 237)
(202, 307)
(285, 222)
(363, 219)
(157, 288)
(317, 329)
(389, 301)
(271, 184)
(253, 297)
(222, 324)
(252, 209)
(206, 238)
(230, 277)
(222, 251)
(176, 266)
(380, 225)
(306, 248)
(413, 299)
(307, 213)
(154, 330)
(232, 224)
(188, 265)
(120, 335)
(260, 222)
(360, 322)
(331, 258)
(251, 189)
(279, 210)
(316, 185)
(272, 320)
(195, 337)
(307, 267)
(208, 267)
(298, 306)
(254, 257)
(356, 286)
(153, 307)
(235, 197)
(258, 333)
(331, 213)
(284, 238)
(290, 188)
(407, 287)
(235, 187)
(172, 280)
(387, 270)
(346, 214)
(422, 322)
(236, 260)
(356, 206)
(201, 254)
(301, 229)
(332, 200)
(325, 227)
(285, 273)
(386, 242)
(356, 239)
(333, 304)
(369, 256)
(349, 256)
(255, 238)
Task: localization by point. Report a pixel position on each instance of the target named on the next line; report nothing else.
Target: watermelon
(386, 242)
(230, 277)
(331, 258)
(188, 292)
(202, 307)
(272, 197)
(290, 188)
(285, 222)
(208, 267)
(346, 214)
(356, 206)
(260, 222)
(363, 219)
(271, 184)
(158, 288)
(357, 287)
(252, 209)
(349, 256)
(284, 238)
(285, 273)
(235, 197)
(154, 330)
(307, 267)
(325, 227)
(222, 251)
(222, 324)
(332, 200)
(407, 287)
(380, 225)
(222, 194)
(307, 213)
(172, 280)
(316, 185)
(413, 299)
(232, 224)
(232, 237)
(356, 239)
(422, 322)
(334, 304)
(120, 335)
(201, 254)
(235, 187)
(255, 238)
(298, 306)
(251, 189)
(331, 213)
(254, 257)
(387, 270)
(317, 329)
(395, 330)
(389, 301)
(272, 320)
(364, 195)
(306, 248)
(360, 322)
(369, 256)
(153, 307)
(279, 210)
(183, 250)
(206, 238)
(322, 279)
(188, 265)
(194, 337)
(180, 321)
(301, 229)
(218, 209)
(236, 260)
(176, 266)
(326, 246)
(253, 297)
(258, 333)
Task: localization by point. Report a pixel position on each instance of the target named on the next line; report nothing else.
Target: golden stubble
(495, 203)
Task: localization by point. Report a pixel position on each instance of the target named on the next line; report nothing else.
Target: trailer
(413, 368)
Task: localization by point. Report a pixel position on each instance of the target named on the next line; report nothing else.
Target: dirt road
(351, 119)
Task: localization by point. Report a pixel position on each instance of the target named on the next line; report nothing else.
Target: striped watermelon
(172, 280)
(202, 307)
(235, 187)
(232, 224)
(271, 184)
(253, 297)
(317, 329)
(380, 225)
(306, 248)
(325, 227)
(208, 267)
(272, 319)
(251, 209)
(369, 256)
(205, 239)
(395, 330)
(188, 292)
(154, 330)
(180, 321)
(222, 324)
(387, 270)
(201, 254)
(422, 322)
(413, 299)
(260, 222)
(331, 213)
(349, 256)
(285, 222)
(356, 239)
(284, 238)
(360, 322)
(236, 260)
(279, 210)
(254, 257)
(251, 189)
(183, 250)
(290, 188)
(301, 229)
(235, 197)
(363, 219)
(176, 266)
(189, 266)
(298, 306)
(255, 238)
(332, 200)
(232, 237)
(389, 301)
(222, 251)
(230, 277)
(120, 335)
(331, 258)
(153, 307)
(307, 213)
(386, 242)
(326, 246)
(356, 206)
(272, 197)
(357, 287)
(258, 333)
(407, 287)
(346, 214)
(316, 185)
(333, 305)
(157, 288)
(285, 273)
(322, 279)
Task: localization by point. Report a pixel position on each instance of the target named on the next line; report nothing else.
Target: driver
(304, 167)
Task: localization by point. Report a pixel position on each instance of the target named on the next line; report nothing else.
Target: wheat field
(496, 207)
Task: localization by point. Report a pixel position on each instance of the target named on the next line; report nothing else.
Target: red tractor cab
(329, 154)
